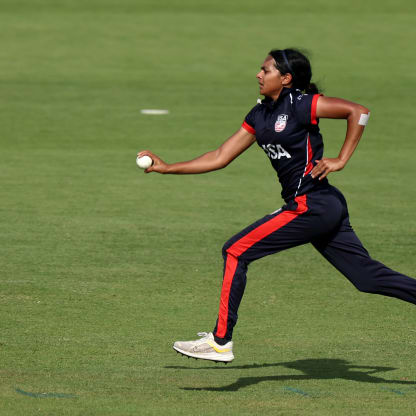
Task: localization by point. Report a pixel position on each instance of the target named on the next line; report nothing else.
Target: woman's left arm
(356, 116)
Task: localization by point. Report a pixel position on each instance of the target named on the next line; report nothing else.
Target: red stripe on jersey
(314, 120)
(247, 127)
(309, 165)
(242, 245)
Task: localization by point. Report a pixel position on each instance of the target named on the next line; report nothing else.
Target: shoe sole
(209, 356)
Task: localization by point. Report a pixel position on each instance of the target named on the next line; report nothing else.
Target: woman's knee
(229, 250)
(225, 248)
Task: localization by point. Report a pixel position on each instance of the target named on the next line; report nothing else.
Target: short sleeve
(306, 108)
(249, 122)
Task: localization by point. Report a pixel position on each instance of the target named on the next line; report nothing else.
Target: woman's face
(271, 81)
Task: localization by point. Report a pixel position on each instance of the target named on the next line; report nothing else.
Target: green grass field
(103, 267)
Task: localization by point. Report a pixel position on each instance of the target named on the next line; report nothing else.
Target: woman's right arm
(214, 160)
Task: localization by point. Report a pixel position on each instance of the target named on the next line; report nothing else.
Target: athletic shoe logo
(281, 122)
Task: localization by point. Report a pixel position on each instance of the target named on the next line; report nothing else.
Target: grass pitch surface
(102, 267)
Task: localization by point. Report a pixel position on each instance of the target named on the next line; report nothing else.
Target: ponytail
(312, 88)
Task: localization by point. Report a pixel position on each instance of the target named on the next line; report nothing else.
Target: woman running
(285, 126)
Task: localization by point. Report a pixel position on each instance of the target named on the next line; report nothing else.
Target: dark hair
(294, 62)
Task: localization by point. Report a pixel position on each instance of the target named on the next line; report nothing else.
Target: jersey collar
(270, 103)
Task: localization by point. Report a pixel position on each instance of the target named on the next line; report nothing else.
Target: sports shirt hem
(248, 128)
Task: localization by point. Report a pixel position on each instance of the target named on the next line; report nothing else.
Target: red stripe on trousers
(242, 245)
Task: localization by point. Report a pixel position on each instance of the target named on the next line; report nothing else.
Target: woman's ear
(287, 79)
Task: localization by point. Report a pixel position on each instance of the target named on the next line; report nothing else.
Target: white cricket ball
(144, 162)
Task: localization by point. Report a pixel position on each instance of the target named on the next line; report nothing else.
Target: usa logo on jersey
(281, 122)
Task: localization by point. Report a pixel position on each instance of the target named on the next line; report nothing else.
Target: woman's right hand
(158, 164)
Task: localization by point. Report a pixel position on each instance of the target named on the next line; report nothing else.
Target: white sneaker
(205, 348)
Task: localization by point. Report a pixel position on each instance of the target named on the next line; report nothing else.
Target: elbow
(225, 163)
(359, 115)
(221, 164)
(360, 109)
(357, 111)
(221, 161)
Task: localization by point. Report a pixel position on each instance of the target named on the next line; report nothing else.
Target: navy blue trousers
(320, 218)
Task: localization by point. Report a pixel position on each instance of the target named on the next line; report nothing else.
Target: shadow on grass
(312, 369)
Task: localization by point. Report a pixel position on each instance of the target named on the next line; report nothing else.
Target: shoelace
(203, 334)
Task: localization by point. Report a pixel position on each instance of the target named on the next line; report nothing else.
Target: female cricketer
(285, 125)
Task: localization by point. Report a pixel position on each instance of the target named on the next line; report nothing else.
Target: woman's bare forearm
(207, 162)
(354, 132)
(210, 161)
(355, 114)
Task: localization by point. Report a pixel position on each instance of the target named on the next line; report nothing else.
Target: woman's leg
(297, 223)
(344, 250)
(285, 228)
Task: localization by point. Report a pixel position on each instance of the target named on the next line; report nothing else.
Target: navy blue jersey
(287, 130)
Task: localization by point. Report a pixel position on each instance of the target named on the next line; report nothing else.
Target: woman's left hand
(325, 166)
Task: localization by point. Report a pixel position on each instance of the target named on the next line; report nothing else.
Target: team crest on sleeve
(281, 122)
